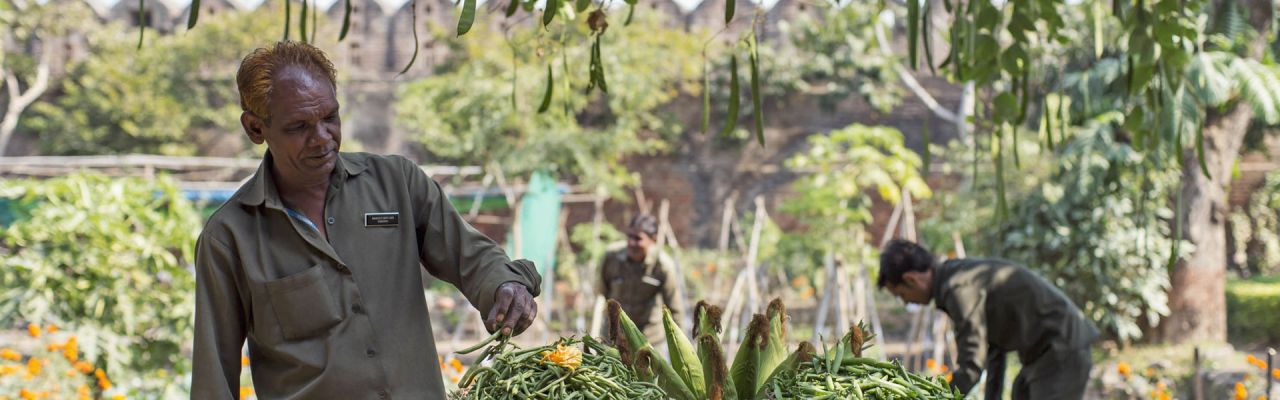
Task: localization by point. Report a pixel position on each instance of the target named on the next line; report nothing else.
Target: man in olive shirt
(636, 274)
(315, 260)
(998, 307)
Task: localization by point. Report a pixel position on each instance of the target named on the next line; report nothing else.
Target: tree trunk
(1197, 299)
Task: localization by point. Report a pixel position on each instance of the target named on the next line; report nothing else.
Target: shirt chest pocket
(305, 304)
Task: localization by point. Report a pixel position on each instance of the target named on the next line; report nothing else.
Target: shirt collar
(261, 187)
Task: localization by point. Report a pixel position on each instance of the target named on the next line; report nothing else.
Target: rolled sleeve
(454, 251)
(219, 324)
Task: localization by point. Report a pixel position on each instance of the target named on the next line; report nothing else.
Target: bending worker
(998, 307)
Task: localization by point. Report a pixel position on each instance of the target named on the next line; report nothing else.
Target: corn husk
(716, 374)
(668, 379)
(624, 335)
(683, 357)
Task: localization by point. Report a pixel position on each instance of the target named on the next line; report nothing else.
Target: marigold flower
(1124, 369)
(34, 330)
(1241, 392)
(6, 370)
(84, 367)
(83, 391)
(100, 374)
(104, 383)
(33, 365)
(948, 378)
(1275, 373)
(118, 397)
(10, 354)
(1255, 361)
(931, 364)
(51, 328)
(27, 394)
(457, 365)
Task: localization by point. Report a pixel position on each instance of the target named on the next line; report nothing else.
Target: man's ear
(254, 127)
(917, 279)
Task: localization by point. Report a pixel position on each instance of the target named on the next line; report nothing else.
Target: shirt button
(370, 353)
(357, 309)
(331, 220)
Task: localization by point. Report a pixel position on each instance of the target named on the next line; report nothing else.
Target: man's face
(304, 131)
(638, 243)
(914, 288)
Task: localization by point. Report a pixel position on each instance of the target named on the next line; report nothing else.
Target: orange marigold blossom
(10, 354)
(118, 397)
(105, 384)
(457, 365)
(34, 330)
(100, 374)
(84, 367)
(33, 365)
(27, 394)
(1241, 392)
(1124, 369)
(565, 356)
(51, 328)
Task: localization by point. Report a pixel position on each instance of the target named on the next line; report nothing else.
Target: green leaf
(468, 16)
(728, 10)
(346, 20)
(414, 21)
(581, 5)
(756, 103)
(549, 13)
(1006, 107)
(928, 54)
(631, 12)
(546, 97)
(194, 14)
(731, 121)
(315, 23)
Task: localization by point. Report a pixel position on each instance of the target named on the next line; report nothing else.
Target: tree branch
(19, 100)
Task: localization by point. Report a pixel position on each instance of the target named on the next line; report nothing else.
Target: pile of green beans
(856, 378)
(522, 374)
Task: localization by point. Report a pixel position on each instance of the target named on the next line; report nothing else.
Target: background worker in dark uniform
(317, 260)
(637, 274)
(998, 307)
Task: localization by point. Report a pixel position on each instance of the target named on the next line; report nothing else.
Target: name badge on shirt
(372, 220)
(651, 280)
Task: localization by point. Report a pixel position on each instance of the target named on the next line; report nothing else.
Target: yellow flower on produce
(10, 354)
(565, 356)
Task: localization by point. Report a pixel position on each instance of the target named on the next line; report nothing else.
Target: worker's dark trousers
(1056, 375)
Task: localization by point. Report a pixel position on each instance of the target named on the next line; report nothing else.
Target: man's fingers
(513, 318)
(501, 308)
(531, 313)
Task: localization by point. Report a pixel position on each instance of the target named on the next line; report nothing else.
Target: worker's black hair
(646, 223)
(899, 257)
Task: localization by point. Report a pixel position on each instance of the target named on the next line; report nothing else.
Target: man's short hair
(257, 72)
(899, 257)
(645, 223)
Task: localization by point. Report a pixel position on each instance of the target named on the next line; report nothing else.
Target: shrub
(1251, 309)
